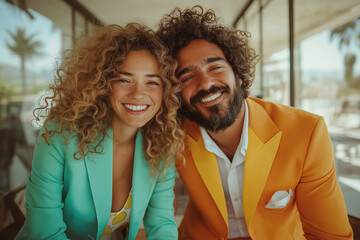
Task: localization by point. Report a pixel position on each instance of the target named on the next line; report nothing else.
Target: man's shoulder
(276, 110)
(294, 123)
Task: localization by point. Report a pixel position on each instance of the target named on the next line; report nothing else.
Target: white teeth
(135, 107)
(212, 97)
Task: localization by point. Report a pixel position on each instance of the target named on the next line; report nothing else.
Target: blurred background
(309, 51)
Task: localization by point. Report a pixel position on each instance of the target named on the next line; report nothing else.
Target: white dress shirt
(232, 174)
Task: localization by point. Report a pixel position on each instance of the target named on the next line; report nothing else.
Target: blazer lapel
(141, 187)
(264, 139)
(207, 167)
(99, 169)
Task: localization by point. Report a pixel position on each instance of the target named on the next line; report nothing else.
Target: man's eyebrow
(185, 70)
(214, 59)
(206, 61)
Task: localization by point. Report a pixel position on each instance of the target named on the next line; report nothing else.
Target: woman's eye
(154, 83)
(121, 80)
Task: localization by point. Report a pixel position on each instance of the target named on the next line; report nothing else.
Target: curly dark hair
(179, 28)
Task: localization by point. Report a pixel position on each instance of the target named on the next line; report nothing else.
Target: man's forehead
(199, 52)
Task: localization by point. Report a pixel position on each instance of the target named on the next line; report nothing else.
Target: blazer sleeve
(318, 196)
(44, 215)
(159, 219)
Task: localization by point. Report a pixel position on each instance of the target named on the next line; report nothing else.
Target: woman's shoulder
(50, 125)
(53, 133)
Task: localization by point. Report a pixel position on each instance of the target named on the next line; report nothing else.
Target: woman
(108, 143)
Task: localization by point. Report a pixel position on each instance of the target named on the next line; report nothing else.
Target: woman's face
(137, 93)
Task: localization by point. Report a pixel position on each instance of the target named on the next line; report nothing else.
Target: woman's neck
(123, 134)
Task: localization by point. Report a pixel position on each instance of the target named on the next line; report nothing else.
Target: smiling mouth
(211, 98)
(136, 108)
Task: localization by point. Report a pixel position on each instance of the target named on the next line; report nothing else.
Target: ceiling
(310, 16)
(150, 12)
(121, 12)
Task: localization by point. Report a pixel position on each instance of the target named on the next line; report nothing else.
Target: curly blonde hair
(79, 102)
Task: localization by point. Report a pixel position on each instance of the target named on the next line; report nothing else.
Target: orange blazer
(287, 149)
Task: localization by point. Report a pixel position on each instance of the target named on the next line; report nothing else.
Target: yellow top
(117, 219)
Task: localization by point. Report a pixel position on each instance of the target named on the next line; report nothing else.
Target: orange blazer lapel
(207, 167)
(264, 140)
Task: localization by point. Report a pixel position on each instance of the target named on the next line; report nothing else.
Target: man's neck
(229, 139)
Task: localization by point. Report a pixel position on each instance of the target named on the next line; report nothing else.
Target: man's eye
(187, 78)
(215, 68)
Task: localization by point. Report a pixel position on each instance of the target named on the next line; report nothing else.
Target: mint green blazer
(71, 199)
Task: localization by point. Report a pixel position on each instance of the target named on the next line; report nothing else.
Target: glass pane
(251, 24)
(328, 82)
(29, 49)
(276, 51)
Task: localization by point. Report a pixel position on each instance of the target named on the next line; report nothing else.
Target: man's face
(211, 93)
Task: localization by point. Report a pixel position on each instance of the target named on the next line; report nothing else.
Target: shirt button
(236, 199)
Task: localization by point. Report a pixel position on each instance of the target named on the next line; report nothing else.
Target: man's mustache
(203, 93)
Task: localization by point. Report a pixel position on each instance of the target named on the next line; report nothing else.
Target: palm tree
(347, 33)
(25, 47)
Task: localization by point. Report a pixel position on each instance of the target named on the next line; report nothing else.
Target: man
(253, 169)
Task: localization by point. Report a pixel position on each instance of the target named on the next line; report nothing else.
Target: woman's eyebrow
(126, 73)
(153, 75)
(147, 75)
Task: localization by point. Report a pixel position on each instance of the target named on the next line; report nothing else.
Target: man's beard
(216, 121)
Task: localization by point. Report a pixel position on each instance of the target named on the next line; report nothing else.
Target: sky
(319, 53)
(12, 18)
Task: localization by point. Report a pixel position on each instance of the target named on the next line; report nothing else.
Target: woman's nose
(137, 91)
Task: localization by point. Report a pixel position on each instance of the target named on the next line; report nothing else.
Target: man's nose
(204, 80)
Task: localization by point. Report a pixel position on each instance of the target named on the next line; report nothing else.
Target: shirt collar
(211, 146)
